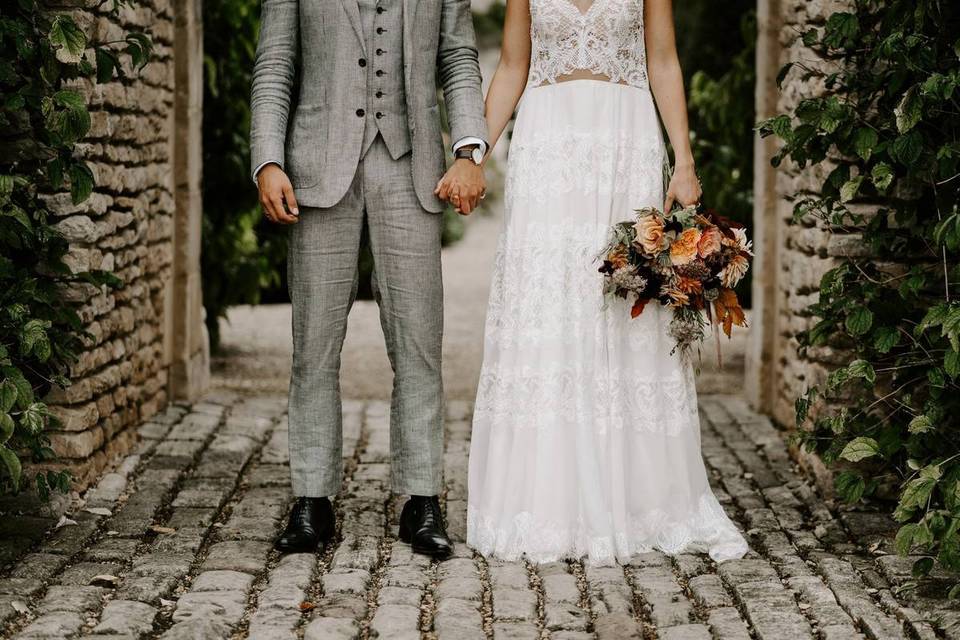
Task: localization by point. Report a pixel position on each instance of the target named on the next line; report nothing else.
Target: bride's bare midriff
(581, 74)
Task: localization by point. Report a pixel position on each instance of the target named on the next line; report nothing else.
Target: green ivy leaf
(842, 27)
(81, 182)
(951, 363)
(8, 395)
(24, 390)
(33, 336)
(862, 369)
(71, 120)
(107, 64)
(935, 316)
(907, 148)
(859, 449)
(865, 141)
(908, 112)
(12, 464)
(850, 188)
(139, 48)
(920, 424)
(916, 492)
(904, 540)
(850, 486)
(881, 176)
(68, 39)
(7, 427)
(859, 321)
(886, 338)
(33, 417)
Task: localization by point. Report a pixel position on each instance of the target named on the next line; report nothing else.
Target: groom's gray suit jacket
(317, 48)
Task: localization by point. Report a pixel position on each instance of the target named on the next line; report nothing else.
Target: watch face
(476, 154)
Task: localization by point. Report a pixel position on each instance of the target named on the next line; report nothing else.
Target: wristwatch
(469, 152)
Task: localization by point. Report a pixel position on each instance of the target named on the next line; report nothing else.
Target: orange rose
(684, 248)
(709, 242)
(649, 233)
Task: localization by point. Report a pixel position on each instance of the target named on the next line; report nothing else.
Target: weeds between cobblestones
(178, 545)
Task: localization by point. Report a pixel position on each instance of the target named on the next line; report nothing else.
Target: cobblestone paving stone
(175, 544)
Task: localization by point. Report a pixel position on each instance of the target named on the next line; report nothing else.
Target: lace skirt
(586, 436)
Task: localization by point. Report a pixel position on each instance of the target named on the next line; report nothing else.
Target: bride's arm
(666, 83)
(511, 75)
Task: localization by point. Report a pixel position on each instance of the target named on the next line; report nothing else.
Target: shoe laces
(431, 512)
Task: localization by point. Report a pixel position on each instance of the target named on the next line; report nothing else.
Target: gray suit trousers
(323, 277)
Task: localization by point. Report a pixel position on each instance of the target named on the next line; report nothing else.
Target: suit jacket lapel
(352, 8)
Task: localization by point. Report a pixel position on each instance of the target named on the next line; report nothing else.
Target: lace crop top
(605, 40)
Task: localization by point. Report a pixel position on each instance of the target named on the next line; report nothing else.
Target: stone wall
(142, 212)
(791, 256)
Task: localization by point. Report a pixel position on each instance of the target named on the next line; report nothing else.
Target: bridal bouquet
(687, 260)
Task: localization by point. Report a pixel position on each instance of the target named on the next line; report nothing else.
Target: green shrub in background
(41, 121)
(720, 75)
(242, 254)
(887, 132)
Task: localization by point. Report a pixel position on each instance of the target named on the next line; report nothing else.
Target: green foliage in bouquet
(887, 132)
(44, 57)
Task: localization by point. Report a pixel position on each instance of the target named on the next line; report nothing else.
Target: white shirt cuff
(262, 165)
(462, 142)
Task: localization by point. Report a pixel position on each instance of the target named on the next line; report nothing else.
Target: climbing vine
(46, 60)
(885, 134)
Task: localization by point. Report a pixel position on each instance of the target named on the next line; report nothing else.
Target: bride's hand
(684, 188)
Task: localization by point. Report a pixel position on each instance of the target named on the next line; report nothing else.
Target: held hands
(684, 187)
(463, 186)
(276, 195)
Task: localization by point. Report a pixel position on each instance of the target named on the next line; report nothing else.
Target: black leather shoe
(312, 522)
(422, 527)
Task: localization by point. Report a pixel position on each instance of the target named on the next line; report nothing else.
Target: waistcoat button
(361, 113)
(362, 62)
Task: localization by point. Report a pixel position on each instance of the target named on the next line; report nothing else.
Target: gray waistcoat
(386, 104)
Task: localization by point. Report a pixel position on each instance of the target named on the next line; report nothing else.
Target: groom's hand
(276, 195)
(463, 186)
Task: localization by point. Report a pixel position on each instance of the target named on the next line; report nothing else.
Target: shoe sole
(320, 544)
(439, 555)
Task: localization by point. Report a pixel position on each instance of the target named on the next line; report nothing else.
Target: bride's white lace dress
(586, 437)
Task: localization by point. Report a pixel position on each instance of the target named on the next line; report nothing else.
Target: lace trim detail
(707, 528)
(607, 162)
(606, 40)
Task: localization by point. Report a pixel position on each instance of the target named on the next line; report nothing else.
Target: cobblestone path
(176, 544)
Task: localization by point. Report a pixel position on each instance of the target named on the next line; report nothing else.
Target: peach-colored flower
(709, 242)
(734, 271)
(684, 248)
(649, 233)
(619, 257)
(689, 285)
(677, 297)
